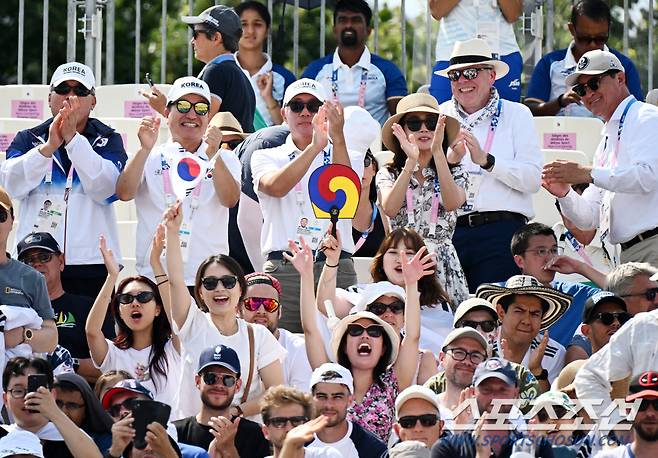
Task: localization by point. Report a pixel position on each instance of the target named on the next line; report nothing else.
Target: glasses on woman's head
(280, 422)
(38, 258)
(212, 378)
(415, 123)
(593, 84)
(459, 354)
(184, 106)
(142, 297)
(227, 281)
(379, 308)
(115, 409)
(468, 73)
(374, 330)
(254, 303)
(297, 106)
(486, 325)
(78, 89)
(426, 420)
(607, 318)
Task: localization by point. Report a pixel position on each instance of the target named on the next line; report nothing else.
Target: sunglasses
(486, 325)
(379, 308)
(142, 297)
(211, 378)
(39, 258)
(367, 161)
(231, 144)
(468, 73)
(78, 89)
(587, 39)
(607, 318)
(648, 402)
(227, 281)
(414, 124)
(280, 422)
(3, 215)
(254, 303)
(593, 83)
(184, 106)
(115, 410)
(649, 294)
(196, 32)
(426, 420)
(297, 106)
(355, 330)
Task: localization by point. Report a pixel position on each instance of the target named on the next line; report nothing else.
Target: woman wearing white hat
(418, 187)
(365, 344)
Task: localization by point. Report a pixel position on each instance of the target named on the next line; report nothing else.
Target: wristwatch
(491, 161)
(543, 375)
(28, 334)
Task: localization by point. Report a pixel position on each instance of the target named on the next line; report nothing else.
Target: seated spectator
(144, 346)
(20, 443)
(218, 379)
(332, 388)
(548, 94)
(536, 253)
(107, 380)
(42, 252)
(261, 306)
(147, 180)
(526, 308)
(366, 344)
(268, 80)
(68, 166)
(231, 130)
(284, 408)
(77, 401)
(352, 74)
(419, 178)
(211, 319)
(417, 415)
(37, 412)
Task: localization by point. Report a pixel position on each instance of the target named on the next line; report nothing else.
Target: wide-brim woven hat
(555, 302)
(473, 52)
(340, 330)
(416, 103)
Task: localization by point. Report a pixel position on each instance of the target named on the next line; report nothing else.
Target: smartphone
(34, 381)
(148, 79)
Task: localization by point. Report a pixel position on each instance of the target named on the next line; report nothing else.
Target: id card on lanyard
(434, 211)
(308, 227)
(53, 209)
(364, 234)
(361, 101)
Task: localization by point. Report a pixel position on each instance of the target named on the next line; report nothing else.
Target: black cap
(598, 298)
(644, 385)
(42, 240)
(220, 17)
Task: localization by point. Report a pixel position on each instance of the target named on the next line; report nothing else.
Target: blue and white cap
(220, 355)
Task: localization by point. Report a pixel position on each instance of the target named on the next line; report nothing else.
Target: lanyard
(577, 247)
(615, 153)
(492, 127)
(434, 215)
(364, 234)
(362, 86)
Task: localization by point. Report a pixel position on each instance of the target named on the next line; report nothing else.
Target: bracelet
(329, 265)
(163, 282)
(161, 275)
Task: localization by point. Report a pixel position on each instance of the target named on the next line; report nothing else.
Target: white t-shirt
(344, 446)
(296, 368)
(320, 452)
(199, 332)
(136, 362)
(211, 217)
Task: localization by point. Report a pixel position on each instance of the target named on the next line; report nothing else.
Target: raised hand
(417, 267)
(303, 433)
(439, 133)
(213, 138)
(478, 156)
(331, 246)
(482, 445)
(158, 440)
(264, 84)
(110, 261)
(536, 356)
(55, 138)
(158, 244)
(156, 99)
(173, 217)
(302, 257)
(320, 129)
(122, 434)
(465, 417)
(148, 131)
(568, 172)
(556, 188)
(408, 144)
(336, 119)
(42, 401)
(223, 431)
(70, 112)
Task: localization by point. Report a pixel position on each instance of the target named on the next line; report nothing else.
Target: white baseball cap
(332, 373)
(594, 63)
(74, 71)
(374, 291)
(20, 442)
(188, 85)
(304, 86)
(416, 392)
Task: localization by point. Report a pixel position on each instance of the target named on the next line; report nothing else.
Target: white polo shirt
(516, 176)
(209, 233)
(281, 216)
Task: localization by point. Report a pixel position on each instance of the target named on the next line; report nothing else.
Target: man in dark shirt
(216, 33)
(218, 378)
(42, 252)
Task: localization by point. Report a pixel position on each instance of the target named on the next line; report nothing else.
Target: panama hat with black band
(473, 52)
(554, 303)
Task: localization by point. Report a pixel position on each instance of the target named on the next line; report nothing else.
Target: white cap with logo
(594, 63)
(188, 85)
(74, 71)
(304, 86)
(332, 373)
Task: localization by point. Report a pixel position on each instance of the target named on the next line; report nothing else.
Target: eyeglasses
(607, 318)
(39, 258)
(78, 89)
(598, 40)
(414, 124)
(379, 308)
(142, 297)
(649, 402)
(554, 251)
(468, 73)
(115, 410)
(231, 144)
(227, 281)
(68, 405)
(374, 330)
(254, 303)
(593, 83)
(426, 420)
(280, 422)
(486, 325)
(17, 393)
(211, 378)
(184, 106)
(459, 354)
(649, 294)
(297, 106)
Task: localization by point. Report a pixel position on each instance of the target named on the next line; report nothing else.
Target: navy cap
(42, 240)
(598, 298)
(220, 355)
(495, 368)
(130, 385)
(219, 17)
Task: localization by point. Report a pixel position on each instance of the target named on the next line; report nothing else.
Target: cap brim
(497, 375)
(642, 394)
(392, 144)
(113, 392)
(572, 79)
(467, 333)
(217, 363)
(59, 81)
(191, 20)
(32, 247)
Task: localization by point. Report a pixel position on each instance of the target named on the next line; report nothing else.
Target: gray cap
(410, 449)
(220, 17)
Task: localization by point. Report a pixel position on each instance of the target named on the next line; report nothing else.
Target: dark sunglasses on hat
(379, 308)
(227, 281)
(254, 303)
(426, 420)
(78, 89)
(142, 297)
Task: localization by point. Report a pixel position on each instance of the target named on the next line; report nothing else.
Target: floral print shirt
(376, 413)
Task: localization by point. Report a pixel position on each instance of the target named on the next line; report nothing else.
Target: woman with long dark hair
(144, 345)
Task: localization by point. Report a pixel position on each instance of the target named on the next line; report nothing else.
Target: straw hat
(416, 103)
(473, 52)
(228, 124)
(341, 329)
